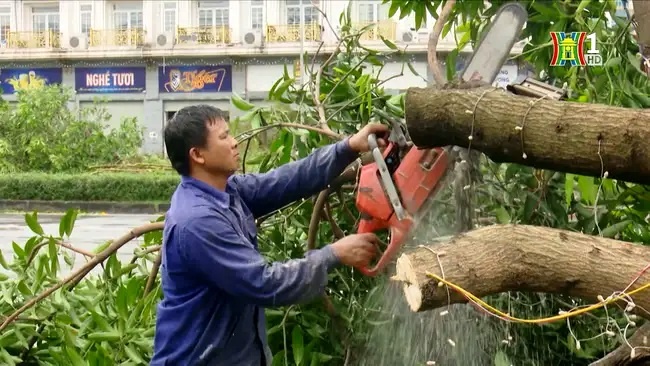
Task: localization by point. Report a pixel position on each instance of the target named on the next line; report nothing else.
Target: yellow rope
(568, 314)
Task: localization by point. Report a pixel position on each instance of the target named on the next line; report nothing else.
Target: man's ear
(196, 155)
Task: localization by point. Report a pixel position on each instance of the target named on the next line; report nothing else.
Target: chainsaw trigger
(398, 235)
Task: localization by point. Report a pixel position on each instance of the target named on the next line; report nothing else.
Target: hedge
(111, 187)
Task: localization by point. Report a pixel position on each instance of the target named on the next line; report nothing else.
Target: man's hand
(359, 141)
(356, 250)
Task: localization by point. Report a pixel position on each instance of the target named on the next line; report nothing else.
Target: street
(89, 232)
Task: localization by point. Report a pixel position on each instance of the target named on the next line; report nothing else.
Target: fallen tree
(581, 138)
(503, 258)
(588, 139)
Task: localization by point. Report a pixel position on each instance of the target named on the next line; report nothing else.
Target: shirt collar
(220, 197)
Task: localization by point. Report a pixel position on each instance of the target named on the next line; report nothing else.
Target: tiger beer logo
(194, 80)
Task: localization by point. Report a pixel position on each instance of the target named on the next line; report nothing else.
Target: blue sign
(195, 79)
(13, 80)
(110, 79)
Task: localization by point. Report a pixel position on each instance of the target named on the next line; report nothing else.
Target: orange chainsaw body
(416, 177)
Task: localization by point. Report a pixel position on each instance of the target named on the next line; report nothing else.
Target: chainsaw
(395, 189)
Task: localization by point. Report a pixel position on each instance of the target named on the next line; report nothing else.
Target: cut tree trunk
(557, 135)
(503, 258)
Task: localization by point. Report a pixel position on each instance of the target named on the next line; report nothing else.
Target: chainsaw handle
(372, 142)
(397, 236)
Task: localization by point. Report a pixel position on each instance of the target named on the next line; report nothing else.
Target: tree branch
(254, 132)
(623, 354)
(76, 276)
(432, 52)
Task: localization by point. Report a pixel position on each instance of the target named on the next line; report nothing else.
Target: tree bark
(557, 135)
(503, 258)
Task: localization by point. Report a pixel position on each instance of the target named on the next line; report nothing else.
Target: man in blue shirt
(214, 280)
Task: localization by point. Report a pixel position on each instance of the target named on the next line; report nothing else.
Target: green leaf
(612, 230)
(529, 207)
(420, 14)
(297, 344)
(53, 254)
(240, 103)
(388, 43)
(278, 359)
(32, 222)
(501, 359)
(104, 336)
(412, 69)
(133, 355)
(613, 62)
(74, 357)
(66, 224)
(3, 262)
(394, 7)
(568, 188)
(502, 215)
(587, 189)
(450, 64)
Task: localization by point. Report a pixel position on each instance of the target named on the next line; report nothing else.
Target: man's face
(220, 155)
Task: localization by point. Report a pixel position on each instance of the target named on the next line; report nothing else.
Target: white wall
(260, 78)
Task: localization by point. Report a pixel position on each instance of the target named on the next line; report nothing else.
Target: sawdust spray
(449, 336)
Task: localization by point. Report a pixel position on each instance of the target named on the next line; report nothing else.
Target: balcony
(45, 39)
(204, 35)
(374, 31)
(291, 33)
(116, 37)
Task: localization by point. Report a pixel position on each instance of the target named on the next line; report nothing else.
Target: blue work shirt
(214, 280)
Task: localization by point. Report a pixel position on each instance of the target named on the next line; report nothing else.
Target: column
(149, 14)
(100, 14)
(234, 20)
(185, 13)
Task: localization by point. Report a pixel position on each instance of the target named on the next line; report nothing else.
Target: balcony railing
(44, 39)
(116, 37)
(204, 35)
(374, 31)
(291, 33)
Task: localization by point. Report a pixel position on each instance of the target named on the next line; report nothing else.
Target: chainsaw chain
(465, 175)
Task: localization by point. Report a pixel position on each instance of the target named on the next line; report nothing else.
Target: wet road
(89, 232)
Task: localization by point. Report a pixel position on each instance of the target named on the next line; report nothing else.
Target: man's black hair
(187, 129)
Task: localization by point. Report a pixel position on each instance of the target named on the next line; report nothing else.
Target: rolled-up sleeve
(267, 192)
(214, 250)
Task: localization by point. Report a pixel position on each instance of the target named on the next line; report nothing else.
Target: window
(257, 14)
(5, 24)
(169, 16)
(128, 16)
(86, 18)
(45, 19)
(371, 11)
(304, 9)
(214, 13)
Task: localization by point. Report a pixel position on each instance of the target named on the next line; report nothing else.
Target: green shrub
(114, 187)
(40, 132)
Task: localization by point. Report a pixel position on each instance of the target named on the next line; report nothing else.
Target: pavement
(90, 231)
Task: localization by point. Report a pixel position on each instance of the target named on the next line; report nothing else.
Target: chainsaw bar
(495, 45)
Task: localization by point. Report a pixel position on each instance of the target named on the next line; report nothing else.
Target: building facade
(149, 58)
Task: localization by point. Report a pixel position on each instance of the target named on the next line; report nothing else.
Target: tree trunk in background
(557, 135)
(642, 18)
(503, 258)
